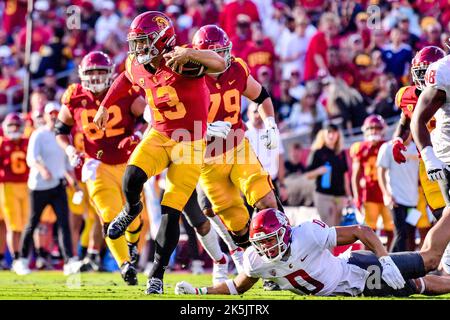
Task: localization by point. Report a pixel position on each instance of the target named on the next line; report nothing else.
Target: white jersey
(310, 268)
(438, 76)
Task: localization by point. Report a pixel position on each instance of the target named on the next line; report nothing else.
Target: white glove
(435, 167)
(73, 155)
(391, 274)
(218, 129)
(270, 137)
(184, 287)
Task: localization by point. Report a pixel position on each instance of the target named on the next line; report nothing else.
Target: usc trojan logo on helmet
(161, 22)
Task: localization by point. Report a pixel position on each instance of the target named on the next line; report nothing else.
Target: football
(192, 69)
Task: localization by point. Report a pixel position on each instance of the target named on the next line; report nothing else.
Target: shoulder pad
(243, 64)
(69, 93)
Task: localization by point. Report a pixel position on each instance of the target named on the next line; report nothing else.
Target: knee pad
(133, 183)
(243, 240)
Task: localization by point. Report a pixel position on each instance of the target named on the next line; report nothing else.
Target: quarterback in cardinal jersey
(179, 103)
(231, 166)
(298, 259)
(106, 151)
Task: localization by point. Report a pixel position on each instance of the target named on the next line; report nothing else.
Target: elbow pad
(62, 128)
(263, 95)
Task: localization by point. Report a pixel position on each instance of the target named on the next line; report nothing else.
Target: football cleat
(120, 223)
(154, 286)
(72, 266)
(197, 267)
(129, 273)
(134, 253)
(4, 265)
(220, 270)
(90, 264)
(20, 266)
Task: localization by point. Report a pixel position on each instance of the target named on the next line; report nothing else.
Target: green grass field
(45, 285)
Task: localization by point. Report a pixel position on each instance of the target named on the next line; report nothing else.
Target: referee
(48, 166)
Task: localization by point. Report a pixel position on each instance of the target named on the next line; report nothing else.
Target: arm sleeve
(33, 150)
(383, 158)
(324, 236)
(118, 89)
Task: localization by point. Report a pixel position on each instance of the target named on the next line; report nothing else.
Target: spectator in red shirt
(260, 51)
(232, 10)
(316, 61)
(362, 28)
(242, 38)
(8, 80)
(14, 15)
(366, 77)
(314, 8)
(338, 67)
(431, 37)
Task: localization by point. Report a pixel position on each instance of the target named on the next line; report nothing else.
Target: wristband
(427, 154)
(269, 122)
(203, 290)
(70, 150)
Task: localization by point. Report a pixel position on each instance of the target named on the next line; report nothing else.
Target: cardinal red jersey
(226, 92)
(13, 165)
(366, 153)
(178, 103)
(258, 56)
(101, 144)
(406, 99)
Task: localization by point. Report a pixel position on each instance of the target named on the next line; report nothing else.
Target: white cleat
(20, 267)
(220, 271)
(445, 261)
(72, 266)
(238, 259)
(197, 267)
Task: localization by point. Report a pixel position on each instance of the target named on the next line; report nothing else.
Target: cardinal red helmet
(96, 81)
(214, 38)
(269, 225)
(13, 126)
(151, 34)
(373, 127)
(421, 61)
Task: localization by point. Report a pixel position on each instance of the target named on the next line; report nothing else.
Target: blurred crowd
(324, 62)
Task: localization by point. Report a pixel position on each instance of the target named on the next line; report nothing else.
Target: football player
(107, 151)
(179, 100)
(364, 158)
(231, 165)
(299, 260)
(406, 99)
(434, 102)
(14, 175)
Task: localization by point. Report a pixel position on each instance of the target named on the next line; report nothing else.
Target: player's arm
(430, 100)
(213, 62)
(258, 94)
(63, 128)
(118, 89)
(137, 109)
(350, 234)
(403, 129)
(238, 285)
(356, 176)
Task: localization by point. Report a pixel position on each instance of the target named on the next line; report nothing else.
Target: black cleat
(129, 274)
(120, 223)
(154, 286)
(90, 264)
(270, 286)
(134, 253)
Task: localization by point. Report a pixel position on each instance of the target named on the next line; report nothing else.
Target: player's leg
(181, 180)
(104, 193)
(388, 223)
(433, 285)
(76, 212)
(148, 159)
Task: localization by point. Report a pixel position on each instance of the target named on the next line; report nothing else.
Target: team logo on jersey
(142, 81)
(84, 103)
(161, 22)
(410, 107)
(99, 154)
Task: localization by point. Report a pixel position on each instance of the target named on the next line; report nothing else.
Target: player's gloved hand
(184, 287)
(218, 129)
(101, 118)
(270, 137)
(129, 143)
(397, 148)
(75, 158)
(435, 167)
(391, 274)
